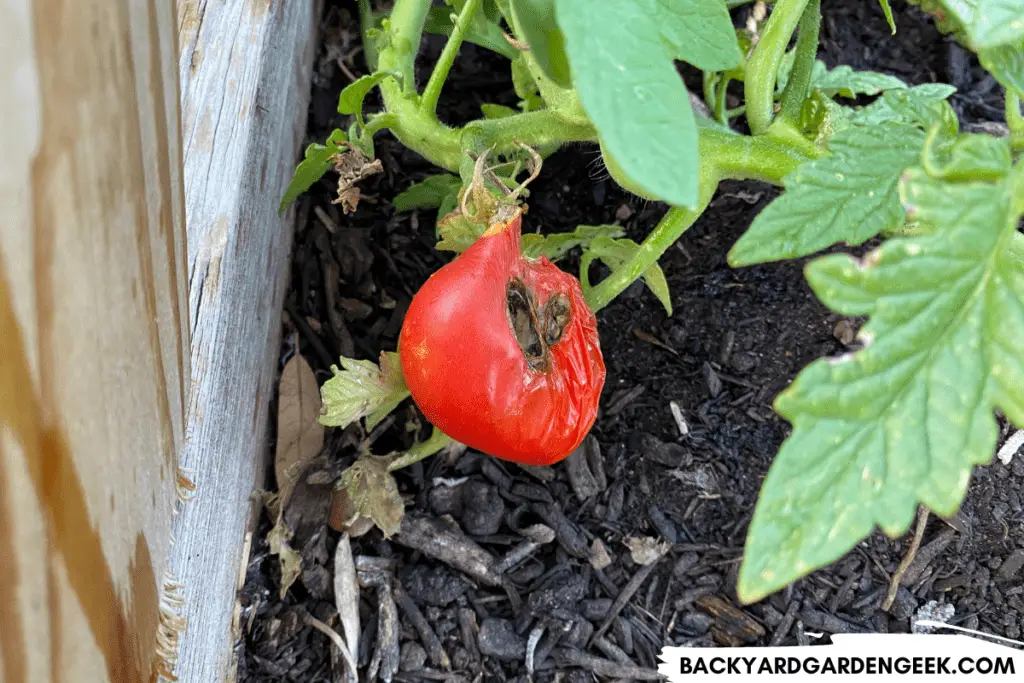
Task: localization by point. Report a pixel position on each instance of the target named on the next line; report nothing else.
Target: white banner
(852, 658)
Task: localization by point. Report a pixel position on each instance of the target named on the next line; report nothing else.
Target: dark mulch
(736, 339)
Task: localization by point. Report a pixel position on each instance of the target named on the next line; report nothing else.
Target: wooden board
(94, 344)
(245, 69)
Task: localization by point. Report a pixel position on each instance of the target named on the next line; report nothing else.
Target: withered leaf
(352, 166)
(646, 550)
(291, 560)
(457, 232)
(300, 437)
(374, 492)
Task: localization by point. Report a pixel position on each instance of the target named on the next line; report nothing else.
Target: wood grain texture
(93, 335)
(245, 68)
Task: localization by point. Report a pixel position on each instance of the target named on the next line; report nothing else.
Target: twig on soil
(431, 643)
(613, 651)
(386, 654)
(469, 631)
(915, 543)
(1012, 446)
(604, 667)
(577, 468)
(784, 627)
(450, 546)
(538, 535)
(531, 646)
(623, 598)
(335, 638)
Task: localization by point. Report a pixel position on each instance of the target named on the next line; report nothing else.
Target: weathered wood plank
(245, 69)
(93, 336)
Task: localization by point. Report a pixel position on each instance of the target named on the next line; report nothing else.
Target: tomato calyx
(536, 327)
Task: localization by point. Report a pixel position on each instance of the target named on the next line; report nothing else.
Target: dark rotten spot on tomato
(529, 320)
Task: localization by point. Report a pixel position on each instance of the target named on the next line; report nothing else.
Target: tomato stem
(799, 83)
(415, 123)
(1014, 119)
(723, 156)
(763, 66)
(432, 91)
(421, 450)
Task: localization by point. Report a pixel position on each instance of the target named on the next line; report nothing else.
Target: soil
(736, 339)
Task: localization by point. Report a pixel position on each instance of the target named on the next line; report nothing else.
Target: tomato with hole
(501, 352)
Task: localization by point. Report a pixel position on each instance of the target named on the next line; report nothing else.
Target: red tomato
(502, 354)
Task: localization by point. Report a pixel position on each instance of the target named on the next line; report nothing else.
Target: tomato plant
(859, 155)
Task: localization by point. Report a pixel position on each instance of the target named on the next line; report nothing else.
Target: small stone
(1012, 565)
(485, 509)
(904, 605)
(579, 634)
(932, 611)
(845, 332)
(666, 454)
(744, 362)
(498, 639)
(559, 599)
(446, 500)
(695, 623)
(412, 657)
(685, 563)
(436, 585)
(599, 558)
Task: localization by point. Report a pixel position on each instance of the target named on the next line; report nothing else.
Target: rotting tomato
(501, 352)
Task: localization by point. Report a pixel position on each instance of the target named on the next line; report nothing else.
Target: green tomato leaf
(428, 193)
(849, 196)
(535, 19)
(362, 389)
(318, 160)
(903, 420)
(557, 245)
(844, 81)
(700, 32)
(1006, 64)
(615, 253)
(887, 10)
(923, 106)
(350, 101)
(496, 111)
(967, 157)
(487, 34)
(986, 23)
(996, 22)
(524, 85)
(630, 89)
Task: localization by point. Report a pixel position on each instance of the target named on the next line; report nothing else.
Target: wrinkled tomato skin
(467, 373)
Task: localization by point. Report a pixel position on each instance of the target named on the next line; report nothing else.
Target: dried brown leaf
(300, 436)
(291, 560)
(646, 550)
(346, 597)
(352, 166)
(374, 492)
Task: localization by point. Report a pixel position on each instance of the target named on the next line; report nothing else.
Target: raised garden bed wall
(119, 326)
(94, 363)
(245, 69)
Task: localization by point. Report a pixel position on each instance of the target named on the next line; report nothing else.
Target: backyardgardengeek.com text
(854, 666)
